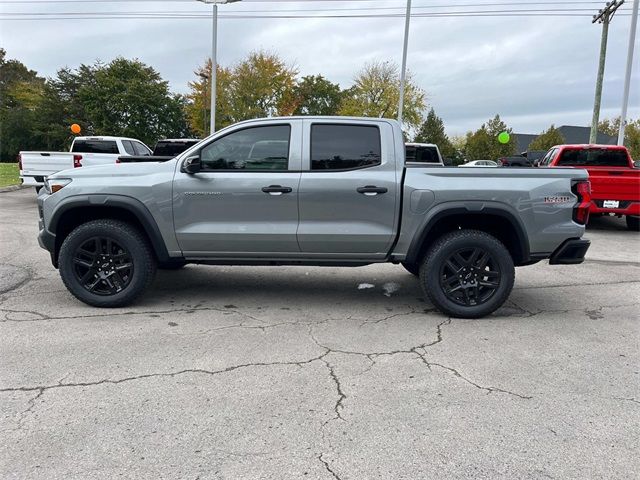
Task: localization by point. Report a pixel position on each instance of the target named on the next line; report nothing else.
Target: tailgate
(45, 163)
(614, 183)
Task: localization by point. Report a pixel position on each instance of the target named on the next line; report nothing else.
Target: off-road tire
(448, 245)
(126, 235)
(633, 222)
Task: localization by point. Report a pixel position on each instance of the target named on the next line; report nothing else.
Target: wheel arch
(79, 210)
(496, 221)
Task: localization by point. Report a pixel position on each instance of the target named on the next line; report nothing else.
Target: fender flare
(472, 209)
(130, 204)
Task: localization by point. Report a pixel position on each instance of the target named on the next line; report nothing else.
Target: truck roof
(591, 145)
(104, 137)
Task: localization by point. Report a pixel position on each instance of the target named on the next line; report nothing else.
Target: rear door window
(95, 146)
(128, 147)
(593, 158)
(141, 149)
(344, 147)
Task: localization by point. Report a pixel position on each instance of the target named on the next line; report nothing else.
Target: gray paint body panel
(225, 215)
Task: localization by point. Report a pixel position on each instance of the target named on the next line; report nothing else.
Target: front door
(245, 198)
(349, 195)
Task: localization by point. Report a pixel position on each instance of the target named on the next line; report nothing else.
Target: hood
(116, 170)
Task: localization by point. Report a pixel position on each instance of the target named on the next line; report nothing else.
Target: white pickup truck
(84, 152)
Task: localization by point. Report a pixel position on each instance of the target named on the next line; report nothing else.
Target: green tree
(483, 143)
(20, 94)
(261, 85)
(631, 133)
(315, 95)
(432, 131)
(376, 91)
(129, 98)
(547, 139)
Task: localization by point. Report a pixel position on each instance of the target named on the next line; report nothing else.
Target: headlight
(52, 185)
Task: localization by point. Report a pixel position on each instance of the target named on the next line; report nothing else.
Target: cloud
(533, 71)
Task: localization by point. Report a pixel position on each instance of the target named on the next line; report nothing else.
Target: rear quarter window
(593, 158)
(95, 146)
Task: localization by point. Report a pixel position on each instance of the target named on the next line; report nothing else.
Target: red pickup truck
(615, 183)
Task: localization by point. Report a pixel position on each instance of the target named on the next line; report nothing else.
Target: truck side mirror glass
(192, 164)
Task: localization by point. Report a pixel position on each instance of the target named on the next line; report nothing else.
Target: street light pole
(214, 59)
(403, 71)
(627, 79)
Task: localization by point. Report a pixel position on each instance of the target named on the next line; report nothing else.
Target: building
(571, 134)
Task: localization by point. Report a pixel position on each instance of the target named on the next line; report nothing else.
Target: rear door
(349, 195)
(245, 198)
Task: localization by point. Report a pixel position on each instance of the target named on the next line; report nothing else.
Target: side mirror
(192, 165)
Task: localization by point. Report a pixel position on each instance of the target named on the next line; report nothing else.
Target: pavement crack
(478, 386)
(44, 388)
(328, 467)
(341, 395)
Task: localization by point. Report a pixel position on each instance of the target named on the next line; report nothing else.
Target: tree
(376, 91)
(129, 98)
(199, 100)
(631, 133)
(484, 144)
(547, 139)
(20, 95)
(261, 85)
(432, 131)
(315, 95)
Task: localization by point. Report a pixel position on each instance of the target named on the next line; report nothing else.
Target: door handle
(371, 190)
(276, 190)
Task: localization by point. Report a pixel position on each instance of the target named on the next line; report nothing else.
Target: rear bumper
(35, 181)
(570, 252)
(626, 207)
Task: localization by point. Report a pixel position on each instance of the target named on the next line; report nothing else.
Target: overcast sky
(533, 70)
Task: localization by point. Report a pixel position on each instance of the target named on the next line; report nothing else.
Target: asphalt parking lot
(295, 372)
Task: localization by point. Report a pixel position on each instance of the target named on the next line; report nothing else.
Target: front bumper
(571, 252)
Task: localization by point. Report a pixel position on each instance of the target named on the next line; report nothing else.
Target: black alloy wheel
(470, 276)
(467, 273)
(103, 266)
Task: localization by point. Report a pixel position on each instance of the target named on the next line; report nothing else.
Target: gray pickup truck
(311, 191)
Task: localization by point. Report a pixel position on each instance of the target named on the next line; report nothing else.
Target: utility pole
(403, 71)
(627, 78)
(604, 16)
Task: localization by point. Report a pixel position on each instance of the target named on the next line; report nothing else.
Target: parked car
(534, 156)
(327, 191)
(423, 153)
(615, 182)
(515, 161)
(163, 151)
(480, 163)
(84, 152)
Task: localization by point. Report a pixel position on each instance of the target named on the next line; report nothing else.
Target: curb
(12, 188)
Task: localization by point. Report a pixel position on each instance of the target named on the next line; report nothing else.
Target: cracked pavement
(293, 372)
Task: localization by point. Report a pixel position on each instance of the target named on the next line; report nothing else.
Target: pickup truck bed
(312, 191)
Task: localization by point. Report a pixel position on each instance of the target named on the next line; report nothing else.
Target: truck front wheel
(467, 274)
(106, 263)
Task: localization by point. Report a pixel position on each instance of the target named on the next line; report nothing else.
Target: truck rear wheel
(467, 274)
(106, 263)
(633, 222)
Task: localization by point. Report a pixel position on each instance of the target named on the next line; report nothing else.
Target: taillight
(19, 161)
(582, 190)
(77, 161)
